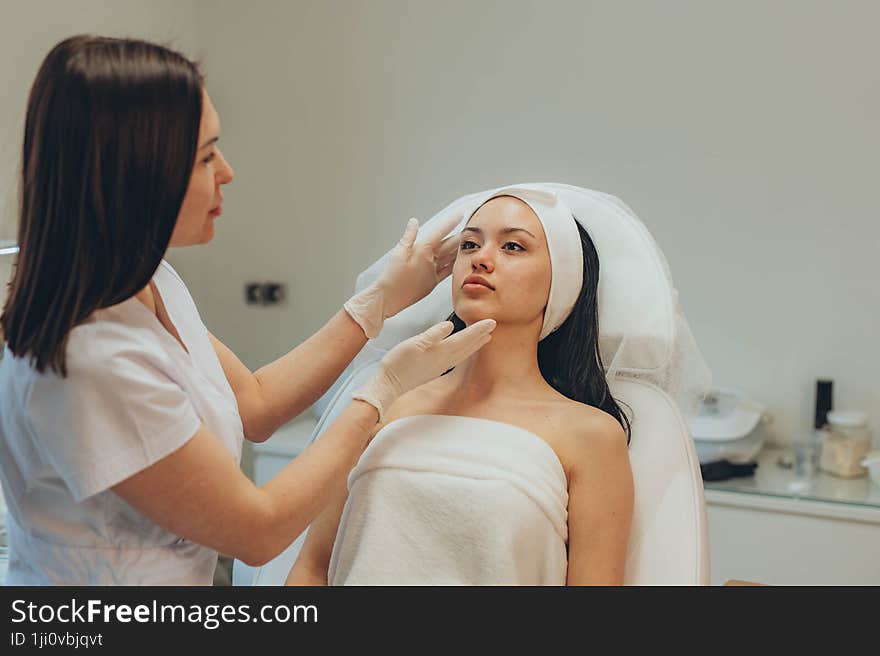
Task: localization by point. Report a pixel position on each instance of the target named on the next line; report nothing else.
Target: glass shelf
(772, 480)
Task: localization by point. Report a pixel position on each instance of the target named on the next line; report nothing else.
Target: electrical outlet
(273, 293)
(252, 293)
(264, 293)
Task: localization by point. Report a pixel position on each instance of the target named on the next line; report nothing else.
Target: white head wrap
(563, 243)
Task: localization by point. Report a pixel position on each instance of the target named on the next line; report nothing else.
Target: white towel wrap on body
(447, 500)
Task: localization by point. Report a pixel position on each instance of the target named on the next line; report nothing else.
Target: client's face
(502, 270)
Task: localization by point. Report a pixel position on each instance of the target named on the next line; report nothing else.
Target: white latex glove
(422, 358)
(413, 270)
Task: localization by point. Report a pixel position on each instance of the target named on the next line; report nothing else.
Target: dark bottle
(824, 402)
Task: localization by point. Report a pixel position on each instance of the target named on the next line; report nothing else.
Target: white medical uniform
(132, 396)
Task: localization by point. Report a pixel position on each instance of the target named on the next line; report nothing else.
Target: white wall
(744, 134)
(29, 29)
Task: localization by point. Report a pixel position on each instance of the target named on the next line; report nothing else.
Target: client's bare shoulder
(586, 437)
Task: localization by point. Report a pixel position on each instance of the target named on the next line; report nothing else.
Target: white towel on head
(444, 500)
(563, 244)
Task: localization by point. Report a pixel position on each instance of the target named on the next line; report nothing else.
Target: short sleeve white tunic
(132, 396)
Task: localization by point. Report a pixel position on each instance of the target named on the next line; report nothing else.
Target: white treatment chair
(646, 347)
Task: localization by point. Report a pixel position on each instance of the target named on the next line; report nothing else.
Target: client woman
(513, 467)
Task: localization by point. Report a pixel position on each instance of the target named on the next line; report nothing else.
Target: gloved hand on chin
(420, 359)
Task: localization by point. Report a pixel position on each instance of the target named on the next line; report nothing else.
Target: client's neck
(507, 365)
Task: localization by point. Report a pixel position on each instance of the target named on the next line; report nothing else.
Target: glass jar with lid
(848, 441)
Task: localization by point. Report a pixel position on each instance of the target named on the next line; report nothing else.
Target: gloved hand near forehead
(413, 270)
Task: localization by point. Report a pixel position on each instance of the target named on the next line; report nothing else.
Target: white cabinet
(760, 531)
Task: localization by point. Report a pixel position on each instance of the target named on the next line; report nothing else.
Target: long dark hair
(110, 138)
(569, 358)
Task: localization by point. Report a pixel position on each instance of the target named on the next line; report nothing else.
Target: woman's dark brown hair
(110, 138)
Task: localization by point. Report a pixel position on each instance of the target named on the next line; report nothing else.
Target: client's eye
(209, 158)
(513, 243)
(467, 245)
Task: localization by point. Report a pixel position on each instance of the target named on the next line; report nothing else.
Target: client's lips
(476, 280)
(217, 209)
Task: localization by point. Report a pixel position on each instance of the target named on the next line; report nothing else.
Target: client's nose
(484, 266)
(482, 261)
